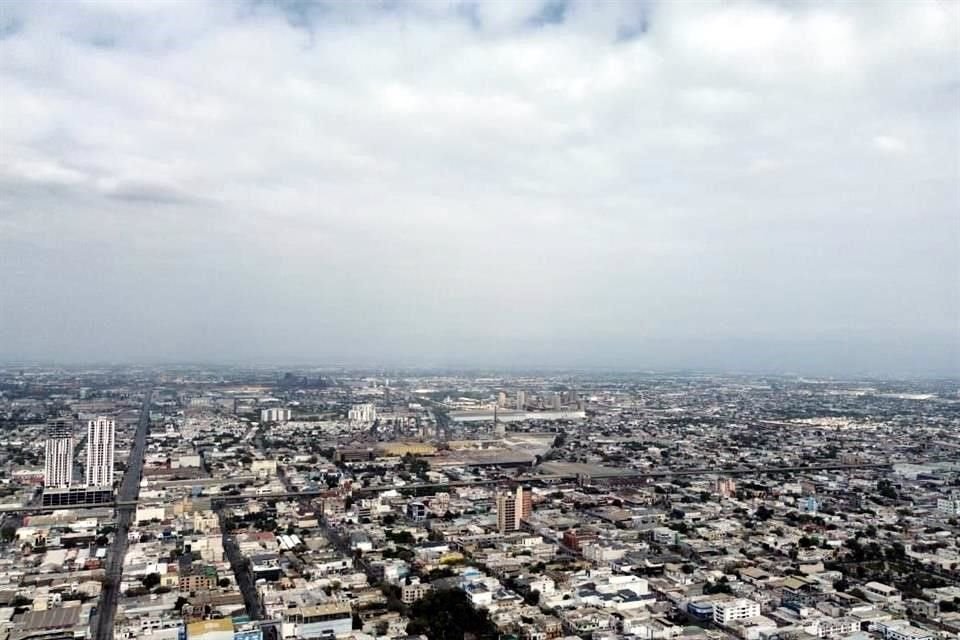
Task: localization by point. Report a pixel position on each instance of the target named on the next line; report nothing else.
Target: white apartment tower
(362, 414)
(58, 459)
(100, 434)
(275, 414)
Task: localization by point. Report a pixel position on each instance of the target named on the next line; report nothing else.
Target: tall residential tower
(513, 507)
(100, 434)
(58, 460)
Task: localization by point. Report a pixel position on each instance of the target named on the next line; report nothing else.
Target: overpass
(532, 478)
(526, 478)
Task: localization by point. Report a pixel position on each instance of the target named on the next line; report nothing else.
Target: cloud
(889, 144)
(446, 181)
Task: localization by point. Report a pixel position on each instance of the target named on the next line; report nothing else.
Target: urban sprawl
(201, 503)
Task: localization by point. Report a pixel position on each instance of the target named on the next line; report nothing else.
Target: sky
(742, 186)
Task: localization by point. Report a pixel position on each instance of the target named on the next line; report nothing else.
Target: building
(512, 508)
(58, 622)
(902, 630)
(574, 539)
(197, 578)
(511, 415)
(362, 414)
(417, 511)
(827, 627)
(949, 506)
(320, 621)
(221, 629)
(74, 496)
(58, 458)
(809, 505)
(727, 611)
(499, 428)
(521, 400)
(879, 592)
(100, 443)
(726, 487)
(410, 593)
(275, 414)
(403, 448)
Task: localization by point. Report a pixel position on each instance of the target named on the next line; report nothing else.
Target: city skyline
(756, 186)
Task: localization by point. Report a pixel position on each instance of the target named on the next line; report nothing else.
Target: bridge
(526, 478)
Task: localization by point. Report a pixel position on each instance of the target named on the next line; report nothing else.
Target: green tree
(150, 580)
(447, 615)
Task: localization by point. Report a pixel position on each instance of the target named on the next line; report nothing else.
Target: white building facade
(727, 611)
(362, 413)
(275, 414)
(58, 455)
(100, 445)
(949, 506)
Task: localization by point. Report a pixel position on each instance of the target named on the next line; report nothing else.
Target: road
(241, 571)
(102, 624)
(122, 503)
(534, 477)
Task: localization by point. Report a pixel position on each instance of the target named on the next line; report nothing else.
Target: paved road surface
(241, 571)
(128, 492)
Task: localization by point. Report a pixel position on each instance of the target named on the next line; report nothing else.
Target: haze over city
(734, 186)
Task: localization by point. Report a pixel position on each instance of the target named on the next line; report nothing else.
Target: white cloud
(477, 172)
(889, 144)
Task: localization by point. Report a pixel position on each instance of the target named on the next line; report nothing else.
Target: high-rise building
(513, 507)
(525, 500)
(557, 402)
(521, 400)
(726, 487)
(506, 512)
(362, 414)
(100, 436)
(58, 459)
(502, 400)
(275, 414)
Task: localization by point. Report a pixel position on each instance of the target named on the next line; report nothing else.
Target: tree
(224, 582)
(885, 488)
(446, 614)
(150, 580)
(400, 537)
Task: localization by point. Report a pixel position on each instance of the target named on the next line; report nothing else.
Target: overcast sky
(739, 185)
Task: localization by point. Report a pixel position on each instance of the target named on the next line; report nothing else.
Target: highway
(551, 478)
(126, 503)
(102, 624)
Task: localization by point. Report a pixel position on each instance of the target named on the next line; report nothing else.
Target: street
(102, 623)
